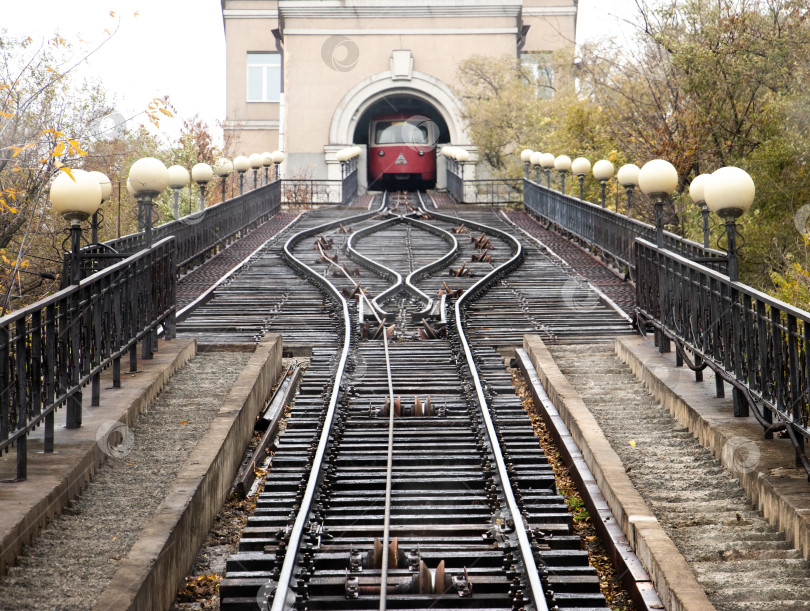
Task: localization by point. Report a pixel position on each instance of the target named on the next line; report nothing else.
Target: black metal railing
(50, 350)
(199, 235)
(348, 187)
(455, 184)
(311, 191)
(611, 233)
(494, 191)
(757, 343)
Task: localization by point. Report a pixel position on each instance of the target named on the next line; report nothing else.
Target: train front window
(400, 132)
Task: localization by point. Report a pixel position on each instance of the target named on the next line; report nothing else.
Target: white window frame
(538, 64)
(270, 69)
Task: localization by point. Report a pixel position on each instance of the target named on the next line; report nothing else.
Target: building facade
(307, 76)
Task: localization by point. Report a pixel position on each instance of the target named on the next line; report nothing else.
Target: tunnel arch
(353, 107)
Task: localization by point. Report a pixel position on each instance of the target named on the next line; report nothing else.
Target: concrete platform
(673, 579)
(156, 565)
(56, 478)
(765, 467)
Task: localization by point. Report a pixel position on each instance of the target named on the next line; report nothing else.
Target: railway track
(408, 475)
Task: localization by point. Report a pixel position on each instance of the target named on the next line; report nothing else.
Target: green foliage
(707, 84)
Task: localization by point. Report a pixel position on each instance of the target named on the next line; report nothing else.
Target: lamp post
(526, 158)
(178, 178)
(149, 177)
(535, 159)
(75, 198)
(201, 174)
(580, 167)
(729, 192)
(628, 178)
(255, 163)
(657, 179)
(547, 163)
(462, 156)
(562, 164)
(267, 161)
(278, 159)
(106, 191)
(696, 194)
(241, 165)
(223, 167)
(603, 172)
(342, 156)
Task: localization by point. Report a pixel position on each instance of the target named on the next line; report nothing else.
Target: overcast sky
(176, 47)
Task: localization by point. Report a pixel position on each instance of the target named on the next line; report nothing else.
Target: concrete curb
(770, 479)
(156, 565)
(55, 479)
(674, 581)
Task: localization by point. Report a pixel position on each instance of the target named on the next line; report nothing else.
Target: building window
(538, 69)
(263, 77)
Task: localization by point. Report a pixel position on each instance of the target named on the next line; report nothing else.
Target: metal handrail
(54, 347)
(201, 234)
(757, 343)
(610, 232)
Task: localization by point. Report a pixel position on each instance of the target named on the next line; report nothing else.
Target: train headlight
(421, 153)
(382, 153)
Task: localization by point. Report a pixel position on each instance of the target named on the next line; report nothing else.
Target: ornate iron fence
(494, 191)
(758, 344)
(312, 191)
(50, 350)
(348, 187)
(613, 234)
(199, 235)
(455, 185)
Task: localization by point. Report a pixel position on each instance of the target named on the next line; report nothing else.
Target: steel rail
(286, 573)
(532, 574)
(388, 478)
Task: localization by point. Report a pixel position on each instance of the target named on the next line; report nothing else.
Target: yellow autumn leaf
(67, 171)
(633, 443)
(59, 149)
(112, 13)
(183, 422)
(6, 115)
(166, 112)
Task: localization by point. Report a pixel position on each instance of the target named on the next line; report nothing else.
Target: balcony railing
(50, 350)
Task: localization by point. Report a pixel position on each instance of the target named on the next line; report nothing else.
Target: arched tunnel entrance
(401, 132)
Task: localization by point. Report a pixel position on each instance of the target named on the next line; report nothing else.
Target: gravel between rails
(742, 562)
(75, 557)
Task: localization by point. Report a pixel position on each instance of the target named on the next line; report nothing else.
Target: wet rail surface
(474, 520)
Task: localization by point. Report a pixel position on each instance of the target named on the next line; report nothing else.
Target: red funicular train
(402, 151)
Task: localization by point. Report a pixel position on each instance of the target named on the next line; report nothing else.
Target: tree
(707, 84)
(47, 120)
